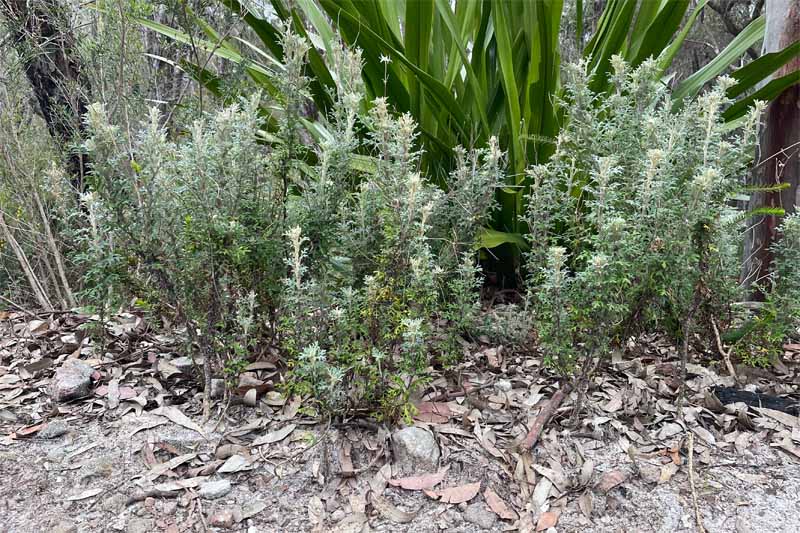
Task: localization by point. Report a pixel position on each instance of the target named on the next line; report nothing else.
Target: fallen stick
(152, 493)
(726, 354)
(697, 514)
(543, 417)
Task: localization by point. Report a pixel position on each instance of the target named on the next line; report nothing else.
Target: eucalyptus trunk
(779, 153)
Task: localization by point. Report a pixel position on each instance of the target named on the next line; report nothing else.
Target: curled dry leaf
(460, 494)
(610, 480)
(498, 506)
(425, 481)
(546, 521)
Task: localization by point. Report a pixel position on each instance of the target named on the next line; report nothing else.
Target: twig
(726, 354)
(697, 515)
(152, 493)
(543, 417)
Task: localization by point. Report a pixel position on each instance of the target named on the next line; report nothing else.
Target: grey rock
(57, 454)
(480, 515)
(185, 364)
(53, 430)
(65, 526)
(415, 450)
(113, 503)
(223, 519)
(73, 380)
(211, 490)
(141, 525)
(217, 388)
(503, 385)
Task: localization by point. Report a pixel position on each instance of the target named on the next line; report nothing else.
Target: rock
(140, 525)
(170, 508)
(185, 364)
(415, 450)
(503, 385)
(223, 518)
(57, 454)
(65, 526)
(217, 388)
(54, 429)
(72, 380)
(211, 490)
(480, 515)
(113, 503)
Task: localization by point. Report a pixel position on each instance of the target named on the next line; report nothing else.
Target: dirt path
(131, 456)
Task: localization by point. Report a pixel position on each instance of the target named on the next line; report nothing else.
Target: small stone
(54, 429)
(185, 364)
(113, 503)
(503, 385)
(337, 515)
(211, 490)
(217, 388)
(57, 454)
(170, 508)
(415, 450)
(480, 515)
(65, 526)
(73, 380)
(223, 518)
(140, 525)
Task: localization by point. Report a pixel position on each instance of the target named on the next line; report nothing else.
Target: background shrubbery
(333, 219)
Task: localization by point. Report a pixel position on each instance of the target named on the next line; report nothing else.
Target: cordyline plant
(468, 71)
(631, 224)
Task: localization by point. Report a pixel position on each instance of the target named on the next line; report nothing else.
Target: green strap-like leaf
(692, 85)
(756, 71)
(767, 93)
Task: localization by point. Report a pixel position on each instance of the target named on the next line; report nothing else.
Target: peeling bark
(41, 35)
(779, 148)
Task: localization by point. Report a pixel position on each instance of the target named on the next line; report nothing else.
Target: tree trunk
(779, 161)
(42, 36)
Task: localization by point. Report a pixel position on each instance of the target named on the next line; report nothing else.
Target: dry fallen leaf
(498, 506)
(88, 493)
(667, 471)
(587, 469)
(546, 521)
(585, 504)
(188, 483)
(610, 480)
(460, 494)
(433, 412)
(275, 436)
(425, 481)
(235, 463)
(174, 414)
(390, 512)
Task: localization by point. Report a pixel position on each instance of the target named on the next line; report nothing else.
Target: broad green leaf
(490, 238)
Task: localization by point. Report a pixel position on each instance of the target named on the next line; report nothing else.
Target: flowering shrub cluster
(362, 274)
(631, 222)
